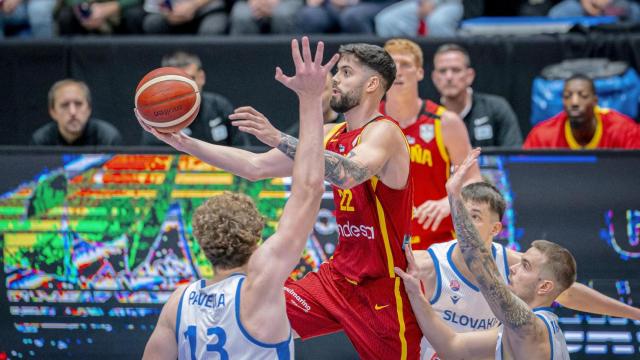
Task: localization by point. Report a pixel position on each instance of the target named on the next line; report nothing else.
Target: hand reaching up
(311, 76)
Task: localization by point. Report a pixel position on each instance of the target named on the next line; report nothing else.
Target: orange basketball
(167, 99)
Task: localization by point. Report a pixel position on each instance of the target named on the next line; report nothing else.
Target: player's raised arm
(272, 263)
(249, 165)
(508, 308)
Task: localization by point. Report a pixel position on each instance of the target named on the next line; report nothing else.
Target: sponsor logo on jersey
(341, 148)
(455, 299)
(298, 300)
(380, 307)
(454, 285)
(427, 132)
(353, 231)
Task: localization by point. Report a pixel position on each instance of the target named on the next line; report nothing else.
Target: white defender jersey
(557, 342)
(208, 325)
(455, 298)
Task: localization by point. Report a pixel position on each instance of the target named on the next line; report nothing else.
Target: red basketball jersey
(430, 169)
(373, 220)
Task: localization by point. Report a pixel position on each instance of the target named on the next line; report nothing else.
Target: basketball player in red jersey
(438, 139)
(367, 162)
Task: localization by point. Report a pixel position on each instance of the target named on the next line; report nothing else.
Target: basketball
(167, 99)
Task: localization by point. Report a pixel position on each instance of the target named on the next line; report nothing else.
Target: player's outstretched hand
(431, 213)
(455, 182)
(251, 121)
(311, 76)
(410, 277)
(177, 140)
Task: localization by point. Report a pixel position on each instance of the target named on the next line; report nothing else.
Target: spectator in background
(264, 16)
(346, 16)
(100, 17)
(623, 9)
(27, 17)
(329, 115)
(203, 17)
(422, 17)
(489, 118)
(583, 124)
(437, 140)
(70, 108)
(212, 123)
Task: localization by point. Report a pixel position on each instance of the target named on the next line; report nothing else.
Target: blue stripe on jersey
(436, 265)
(543, 308)
(179, 314)
(282, 348)
(544, 320)
(457, 272)
(506, 264)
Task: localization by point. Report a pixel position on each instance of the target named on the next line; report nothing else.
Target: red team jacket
(373, 220)
(613, 130)
(430, 169)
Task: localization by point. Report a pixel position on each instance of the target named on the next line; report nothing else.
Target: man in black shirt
(70, 108)
(489, 119)
(212, 123)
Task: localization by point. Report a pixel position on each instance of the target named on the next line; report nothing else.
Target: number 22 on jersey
(345, 200)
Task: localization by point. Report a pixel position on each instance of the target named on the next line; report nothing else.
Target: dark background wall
(243, 70)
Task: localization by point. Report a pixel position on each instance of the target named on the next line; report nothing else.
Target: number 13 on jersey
(192, 336)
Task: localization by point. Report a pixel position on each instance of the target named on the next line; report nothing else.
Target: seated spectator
(100, 17)
(423, 17)
(346, 16)
(264, 16)
(489, 118)
(70, 108)
(203, 17)
(212, 123)
(624, 9)
(583, 124)
(27, 18)
(328, 114)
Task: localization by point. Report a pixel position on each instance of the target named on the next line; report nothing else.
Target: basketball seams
(162, 78)
(177, 121)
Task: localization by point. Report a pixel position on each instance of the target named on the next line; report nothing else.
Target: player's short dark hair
(375, 58)
(582, 77)
(228, 228)
(449, 47)
(485, 193)
(181, 59)
(51, 98)
(559, 263)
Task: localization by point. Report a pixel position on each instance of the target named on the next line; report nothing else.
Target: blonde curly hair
(228, 228)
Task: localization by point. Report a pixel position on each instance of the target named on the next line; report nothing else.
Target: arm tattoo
(339, 170)
(288, 145)
(512, 311)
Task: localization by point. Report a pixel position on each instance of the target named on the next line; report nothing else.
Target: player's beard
(347, 101)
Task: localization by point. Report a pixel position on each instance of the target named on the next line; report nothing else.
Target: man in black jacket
(70, 108)
(489, 118)
(212, 123)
